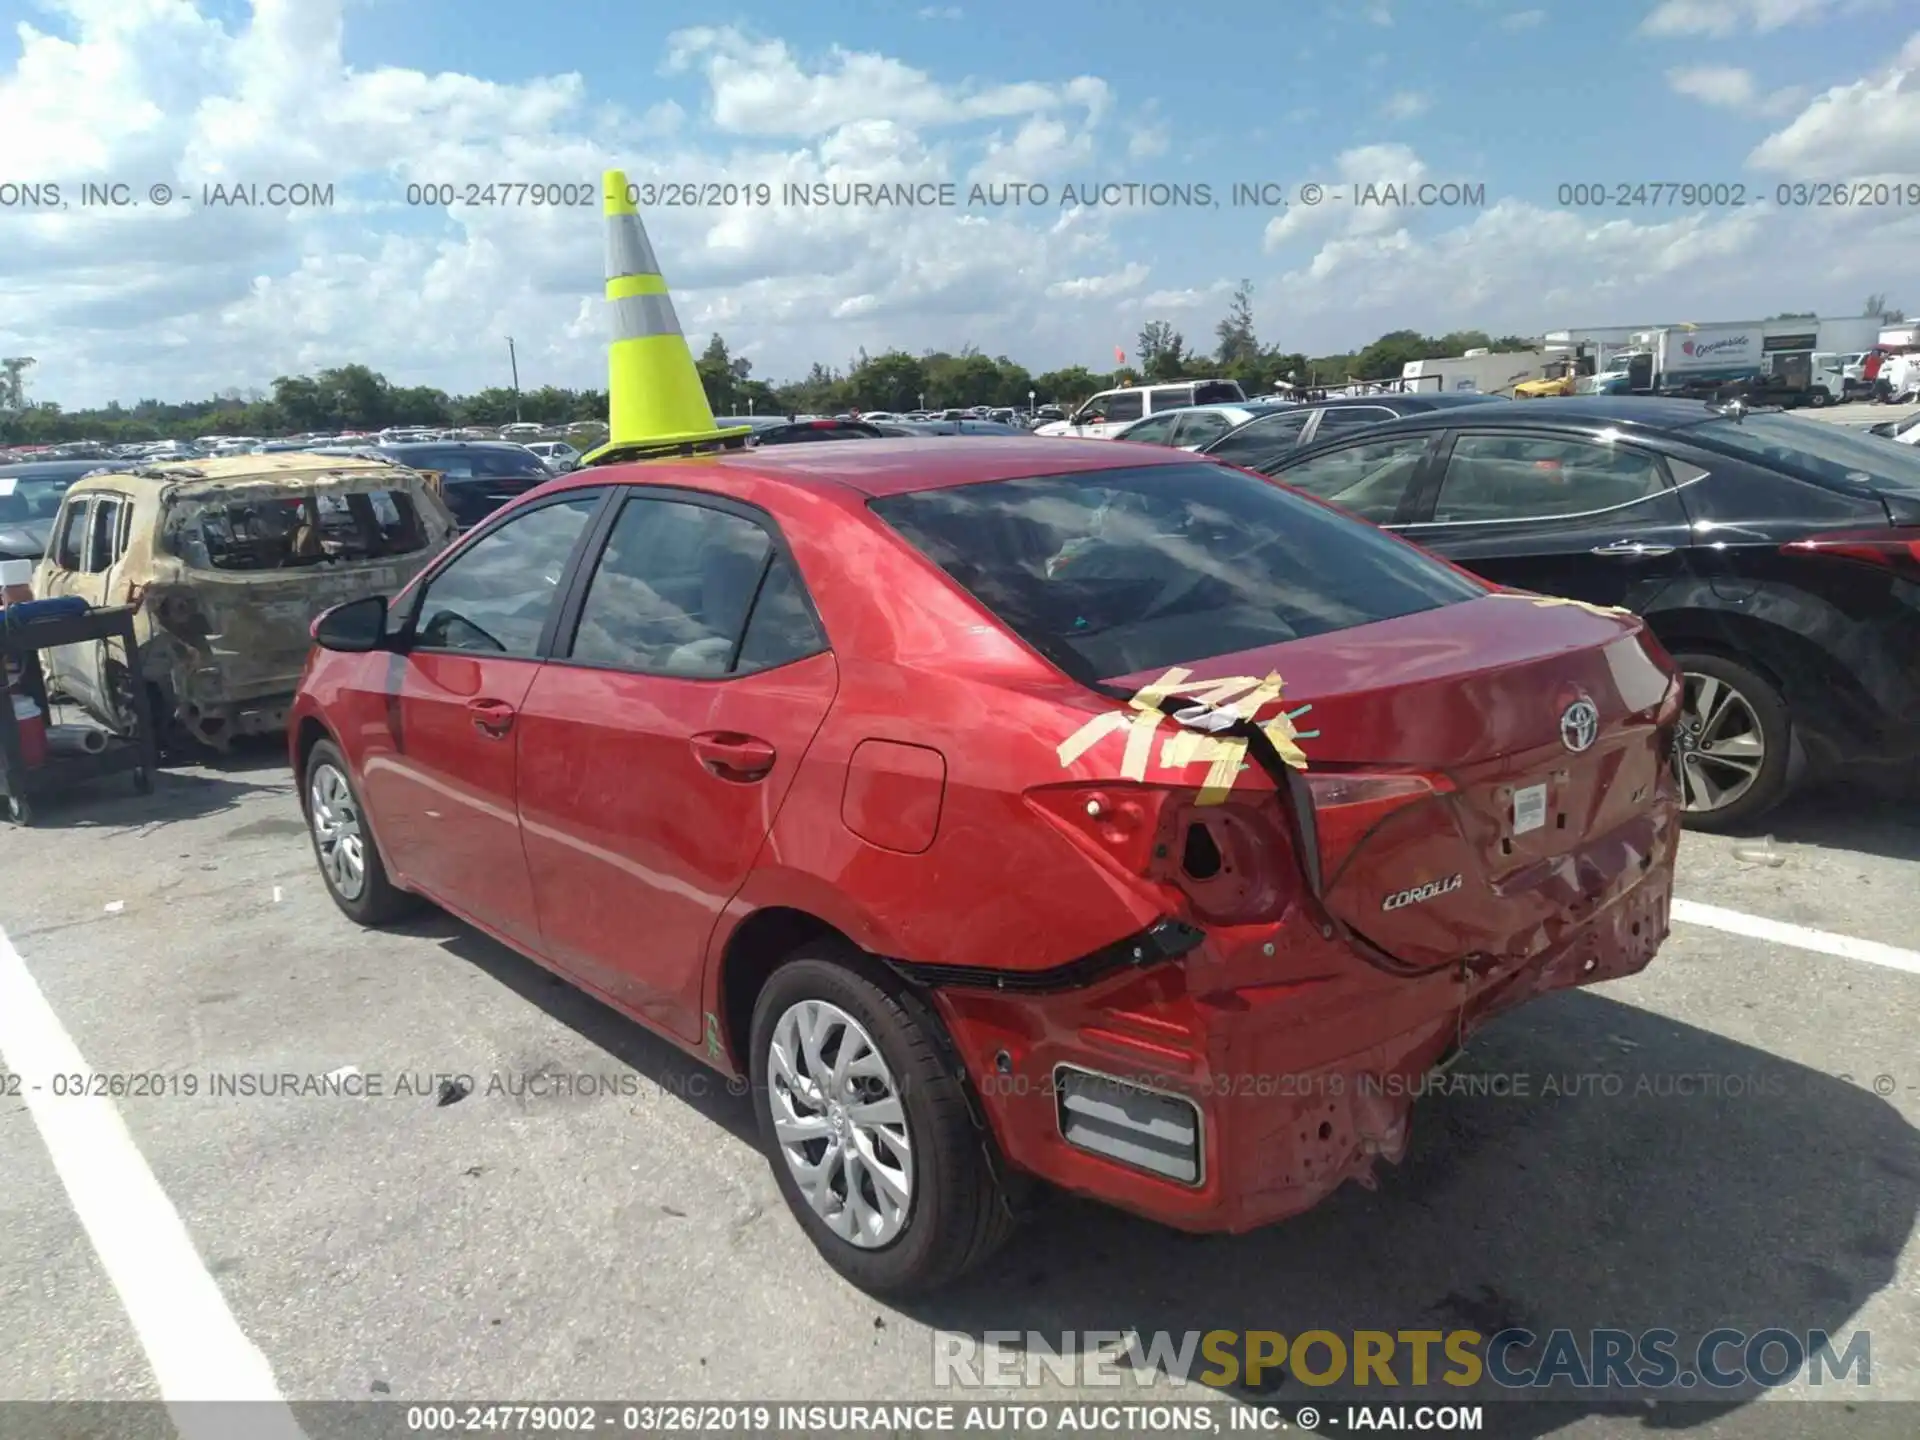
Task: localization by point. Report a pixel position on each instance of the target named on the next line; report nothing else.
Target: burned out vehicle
(229, 560)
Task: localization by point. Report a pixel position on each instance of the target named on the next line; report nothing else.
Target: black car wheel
(1732, 755)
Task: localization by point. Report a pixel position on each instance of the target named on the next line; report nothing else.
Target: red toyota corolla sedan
(1006, 810)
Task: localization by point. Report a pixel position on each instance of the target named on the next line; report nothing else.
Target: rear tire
(343, 843)
(1820, 399)
(955, 1214)
(1734, 753)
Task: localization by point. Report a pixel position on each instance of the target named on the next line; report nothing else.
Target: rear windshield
(294, 532)
(1116, 571)
(464, 464)
(1824, 453)
(1217, 392)
(24, 499)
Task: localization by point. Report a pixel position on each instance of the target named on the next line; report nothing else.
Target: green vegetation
(353, 397)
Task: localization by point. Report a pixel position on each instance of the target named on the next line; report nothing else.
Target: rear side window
(1119, 571)
(295, 532)
(507, 463)
(1368, 480)
(71, 540)
(1260, 440)
(1342, 418)
(1512, 477)
(1218, 392)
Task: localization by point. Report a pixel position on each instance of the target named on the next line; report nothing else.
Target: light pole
(514, 362)
(1029, 404)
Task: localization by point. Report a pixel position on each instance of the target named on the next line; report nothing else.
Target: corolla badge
(1400, 899)
(1579, 725)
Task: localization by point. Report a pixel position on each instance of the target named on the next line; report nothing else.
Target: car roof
(411, 447)
(1644, 411)
(890, 466)
(279, 469)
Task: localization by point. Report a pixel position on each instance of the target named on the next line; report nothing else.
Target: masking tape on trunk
(1545, 602)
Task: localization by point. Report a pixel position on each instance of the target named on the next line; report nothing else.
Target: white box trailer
(1485, 372)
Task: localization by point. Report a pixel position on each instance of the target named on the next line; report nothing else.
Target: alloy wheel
(840, 1123)
(337, 832)
(1720, 748)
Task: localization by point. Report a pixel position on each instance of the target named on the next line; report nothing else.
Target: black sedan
(1776, 558)
(477, 476)
(1294, 427)
(30, 498)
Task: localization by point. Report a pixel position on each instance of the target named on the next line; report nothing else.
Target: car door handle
(1632, 550)
(491, 717)
(733, 756)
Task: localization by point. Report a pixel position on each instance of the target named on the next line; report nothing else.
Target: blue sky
(374, 94)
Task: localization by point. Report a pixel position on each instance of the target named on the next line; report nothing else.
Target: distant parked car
(477, 477)
(560, 456)
(804, 431)
(1776, 558)
(29, 499)
(946, 427)
(1294, 427)
(1196, 425)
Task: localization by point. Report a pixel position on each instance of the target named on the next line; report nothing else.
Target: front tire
(343, 843)
(1734, 750)
(1821, 399)
(867, 1127)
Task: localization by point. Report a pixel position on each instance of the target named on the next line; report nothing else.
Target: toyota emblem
(1579, 726)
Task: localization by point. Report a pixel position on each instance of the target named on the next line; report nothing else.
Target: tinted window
(1342, 418)
(1507, 477)
(494, 597)
(1262, 439)
(1817, 451)
(788, 435)
(1217, 392)
(1120, 571)
(672, 590)
(461, 463)
(103, 538)
(72, 536)
(1157, 431)
(1124, 406)
(781, 627)
(1200, 426)
(1370, 480)
(1170, 397)
(28, 497)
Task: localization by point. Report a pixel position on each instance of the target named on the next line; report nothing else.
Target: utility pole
(514, 362)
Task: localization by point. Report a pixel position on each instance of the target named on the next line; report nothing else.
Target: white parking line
(1779, 932)
(194, 1344)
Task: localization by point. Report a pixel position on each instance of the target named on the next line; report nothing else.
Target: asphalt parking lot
(634, 1244)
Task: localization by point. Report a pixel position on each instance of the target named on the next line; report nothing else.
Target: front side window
(494, 597)
(1123, 407)
(103, 538)
(1115, 572)
(70, 543)
(673, 590)
(1342, 418)
(1367, 480)
(1197, 427)
(1511, 477)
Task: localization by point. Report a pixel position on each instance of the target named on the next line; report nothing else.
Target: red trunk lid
(1537, 724)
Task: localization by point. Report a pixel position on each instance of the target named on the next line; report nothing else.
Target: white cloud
(1100, 287)
(1730, 88)
(1406, 105)
(761, 88)
(1146, 141)
(942, 12)
(1721, 18)
(1523, 20)
(1379, 13)
(1868, 128)
(1336, 210)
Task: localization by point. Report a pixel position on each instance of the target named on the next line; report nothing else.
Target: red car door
(657, 745)
(440, 783)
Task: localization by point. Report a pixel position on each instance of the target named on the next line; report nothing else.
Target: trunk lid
(1536, 727)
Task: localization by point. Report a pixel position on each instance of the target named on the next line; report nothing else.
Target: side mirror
(355, 627)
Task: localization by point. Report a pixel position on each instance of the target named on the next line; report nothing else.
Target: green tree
(1238, 346)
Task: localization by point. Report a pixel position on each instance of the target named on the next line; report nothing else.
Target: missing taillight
(1201, 857)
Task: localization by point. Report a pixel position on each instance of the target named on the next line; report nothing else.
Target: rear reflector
(1142, 1129)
